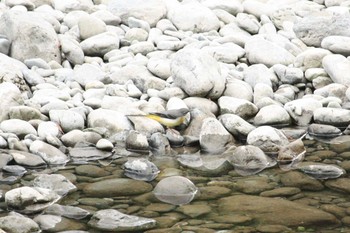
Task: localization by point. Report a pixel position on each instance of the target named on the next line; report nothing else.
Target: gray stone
(18, 127)
(159, 67)
(16, 223)
(143, 47)
(267, 138)
(137, 142)
(300, 180)
(107, 17)
(125, 187)
(238, 89)
(100, 44)
(213, 136)
(257, 48)
(279, 117)
(227, 53)
(297, 214)
(113, 220)
(240, 107)
(27, 159)
(30, 200)
(311, 58)
(73, 137)
(258, 73)
(149, 11)
(192, 16)
(337, 66)
(207, 70)
(50, 154)
(47, 128)
(203, 104)
(302, 110)
(332, 90)
(313, 28)
(10, 96)
(55, 182)
(72, 50)
(67, 211)
(31, 36)
(289, 75)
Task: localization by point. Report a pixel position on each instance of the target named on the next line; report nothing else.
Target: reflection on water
(313, 197)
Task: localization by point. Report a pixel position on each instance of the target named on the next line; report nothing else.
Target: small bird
(170, 118)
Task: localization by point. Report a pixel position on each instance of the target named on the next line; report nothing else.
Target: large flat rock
(276, 211)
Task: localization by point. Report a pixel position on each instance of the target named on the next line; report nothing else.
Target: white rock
(31, 36)
(203, 104)
(213, 136)
(107, 17)
(258, 73)
(192, 16)
(267, 138)
(67, 119)
(90, 26)
(18, 223)
(73, 137)
(72, 50)
(113, 121)
(262, 90)
(231, 6)
(313, 28)
(333, 89)
(72, 5)
(104, 144)
(150, 11)
(143, 47)
(332, 116)
(289, 75)
(87, 73)
(18, 127)
(240, 107)
(311, 58)
(25, 113)
(138, 34)
(236, 125)
(232, 33)
(337, 67)
(46, 128)
(159, 67)
(279, 117)
(47, 222)
(44, 96)
(55, 182)
(204, 79)
(248, 22)
(227, 53)
(50, 154)
(337, 44)
(301, 110)
(257, 48)
(238, 89)
(100, 44)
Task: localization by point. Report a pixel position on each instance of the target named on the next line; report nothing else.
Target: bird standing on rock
(169, 118)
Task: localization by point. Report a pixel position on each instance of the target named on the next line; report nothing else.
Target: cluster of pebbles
(257, 76)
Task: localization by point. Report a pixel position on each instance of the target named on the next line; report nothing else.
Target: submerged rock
(322, 171)
(67, 211)
(17, 223)
(113, 220)
(55, 182)
(290, 155)
(176, 190)
(323, 131)
(140, 169)
(249, 160)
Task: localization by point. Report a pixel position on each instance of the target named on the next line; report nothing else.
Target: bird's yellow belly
(166, 121)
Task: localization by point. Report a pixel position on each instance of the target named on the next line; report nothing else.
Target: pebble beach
(264, 147)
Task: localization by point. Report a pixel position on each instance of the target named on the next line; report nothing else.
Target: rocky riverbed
(265, 145)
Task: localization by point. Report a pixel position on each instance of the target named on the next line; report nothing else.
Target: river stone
(91, 171)
(17, 223)
(111, 120)
(240, 107)
(67, 119)
(73, 137)
(203, 81)
(31, 36)
(257, 48)
(236, 125)
(192, 16)
(300, 180)
(113, 220)
(226, 53)
(72, 50)
(194, 210)
(89, 26)
(49, 128)
(297, 214)
(279, 117)
(213, 136)
(258, 74)
(116, 187)
(100, 44)
(313, 28)
(323, 131)
(30, 200)
(302, 110)
(50, 154)
(245, 90)
(55, 182)
(67, 211)
(337, 67)
(281, 192)
(27, 159)
(311, 58)
(340, 184)
(10, 96)
(267, 138)
(25, 113)
(337, 44)
(88, 73)
(332, 116)
(18, 127)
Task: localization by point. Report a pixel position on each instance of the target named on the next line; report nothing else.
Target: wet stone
(300, 180)
(160, 207)
(140, 169)
(67, 211)
(278, 192)
(327, 131)
(213, 192)
(56, 182)
(113, 220)
(91, 171)
(27, 159)
(340, 184)
(254, 185)
(100, 203)
(16, 223)
(194, 210)
(322, 171)
(116, 187)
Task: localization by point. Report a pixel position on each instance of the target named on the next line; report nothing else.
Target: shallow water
(211, 210)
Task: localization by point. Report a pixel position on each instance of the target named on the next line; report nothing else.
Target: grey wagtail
(170, 118)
